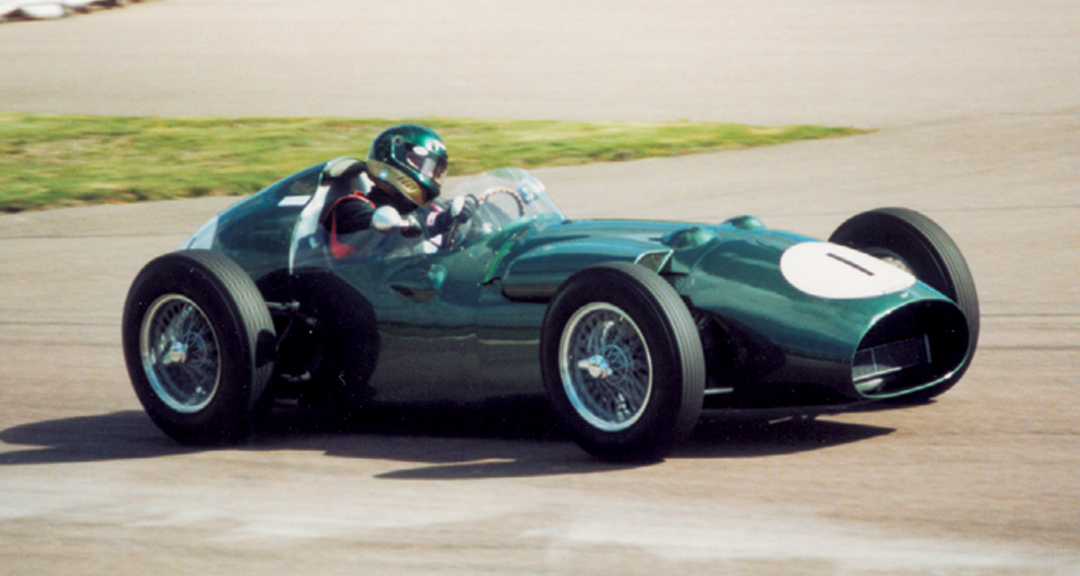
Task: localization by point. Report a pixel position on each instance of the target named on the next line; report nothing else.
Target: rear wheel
(198, 342)
(917, 244)
(622, 362)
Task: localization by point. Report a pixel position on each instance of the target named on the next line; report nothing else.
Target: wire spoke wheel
(199, 346)
(605, 367)
(180, 353)
(622, 362)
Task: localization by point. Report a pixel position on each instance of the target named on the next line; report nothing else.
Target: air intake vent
(913, 347)
(654, 261)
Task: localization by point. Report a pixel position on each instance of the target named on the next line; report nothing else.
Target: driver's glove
(462, 208)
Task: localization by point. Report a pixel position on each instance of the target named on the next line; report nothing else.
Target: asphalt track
(978, 110)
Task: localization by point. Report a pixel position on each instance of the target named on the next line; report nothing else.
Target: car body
(630, 328)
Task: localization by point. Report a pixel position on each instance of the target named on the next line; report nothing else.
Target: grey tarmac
(976, 107)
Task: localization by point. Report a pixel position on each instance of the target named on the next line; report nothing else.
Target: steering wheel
(484, 197)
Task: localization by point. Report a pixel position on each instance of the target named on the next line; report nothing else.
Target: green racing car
(631, 329)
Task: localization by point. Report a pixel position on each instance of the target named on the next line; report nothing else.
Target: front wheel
(917, 244)
(198, 342)
(622, 362)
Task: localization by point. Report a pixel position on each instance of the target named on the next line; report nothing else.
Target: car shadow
(520, 440)
(504, 440)
(125, 435)
(746, 438)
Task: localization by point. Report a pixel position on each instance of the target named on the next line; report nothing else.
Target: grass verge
(63, 160)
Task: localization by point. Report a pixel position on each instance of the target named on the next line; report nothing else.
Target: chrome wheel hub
(597, 367)
(177, 354)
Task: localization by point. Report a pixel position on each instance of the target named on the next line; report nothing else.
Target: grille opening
(910, 348)
(872, 364)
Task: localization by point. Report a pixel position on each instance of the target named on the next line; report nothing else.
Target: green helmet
(412, 159)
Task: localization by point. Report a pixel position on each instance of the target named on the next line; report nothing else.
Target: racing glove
(462, 208)
(413, 229)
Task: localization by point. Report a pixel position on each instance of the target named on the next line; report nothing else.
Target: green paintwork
(463, 325)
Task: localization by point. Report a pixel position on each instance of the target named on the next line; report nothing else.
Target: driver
(404, 170)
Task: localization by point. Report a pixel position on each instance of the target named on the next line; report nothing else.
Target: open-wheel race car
(630, 328)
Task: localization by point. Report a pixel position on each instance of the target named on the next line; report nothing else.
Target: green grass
(64, 160)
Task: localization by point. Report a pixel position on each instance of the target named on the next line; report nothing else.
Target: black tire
(917, 243)
(198, 342)
(645, 325)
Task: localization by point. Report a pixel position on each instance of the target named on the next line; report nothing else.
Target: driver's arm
(349, 214)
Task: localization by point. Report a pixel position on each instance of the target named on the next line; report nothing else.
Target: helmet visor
(427, 164)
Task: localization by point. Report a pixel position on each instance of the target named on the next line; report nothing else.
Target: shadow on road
(747, 439)
(500, 442)
(117, 436)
